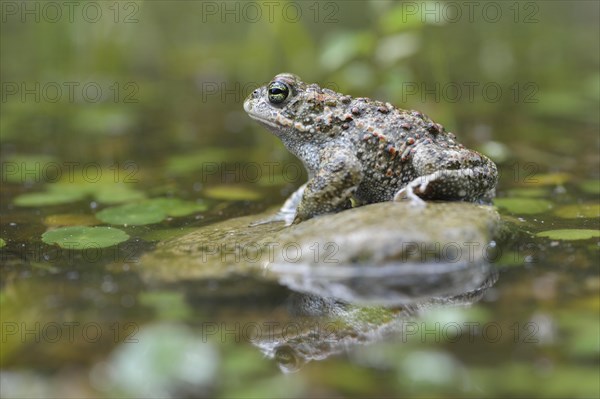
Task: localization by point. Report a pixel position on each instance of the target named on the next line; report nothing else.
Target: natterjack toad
(365, 150)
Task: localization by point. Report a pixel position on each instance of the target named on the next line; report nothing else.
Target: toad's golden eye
(278, 92)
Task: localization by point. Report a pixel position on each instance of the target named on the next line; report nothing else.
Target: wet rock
(337, 281)
(215, 251)
(385, 253)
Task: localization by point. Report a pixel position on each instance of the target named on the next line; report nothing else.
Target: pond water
(122, 128)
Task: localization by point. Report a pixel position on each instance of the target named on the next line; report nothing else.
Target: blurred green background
(163, 77)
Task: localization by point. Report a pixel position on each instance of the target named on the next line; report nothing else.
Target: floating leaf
(569, 234)
(70, 220)
(184, 208)
(530, 192)
(149, 211)
(2, 243)
(526, 206)
(105, 191)
(232, 193)
(177, 207)
(548, 179)
(82, 237)
(137, 214)
(590, 186)
(48, 198)
(588, 210)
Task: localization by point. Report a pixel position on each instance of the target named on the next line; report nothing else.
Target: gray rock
(387, 253)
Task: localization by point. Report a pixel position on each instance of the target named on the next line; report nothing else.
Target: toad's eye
(278, 92)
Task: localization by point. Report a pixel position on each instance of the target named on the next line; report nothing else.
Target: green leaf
(589, 210)
(549, 179)
(82, 237)
(137, 214)
(177, 207)
(2, 243)
(526, 206)
(66, 219)
(184, 208)
(149, 211)
(529, 192)
(569, 234)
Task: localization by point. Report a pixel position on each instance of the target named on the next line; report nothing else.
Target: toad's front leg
(332, 186)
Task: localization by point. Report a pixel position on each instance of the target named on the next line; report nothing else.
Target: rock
(386, 253)
(215, 251)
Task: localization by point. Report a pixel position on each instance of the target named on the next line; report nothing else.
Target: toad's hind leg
(472, 184)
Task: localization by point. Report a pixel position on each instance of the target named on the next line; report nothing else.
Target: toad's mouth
(263, 121)
(274, 122)
(258, 117)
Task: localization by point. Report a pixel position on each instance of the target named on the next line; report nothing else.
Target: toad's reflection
(319, 327)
